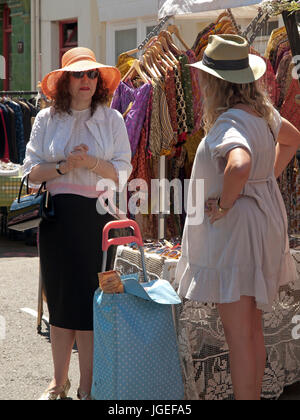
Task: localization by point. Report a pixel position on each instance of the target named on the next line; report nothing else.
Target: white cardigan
(52, 138)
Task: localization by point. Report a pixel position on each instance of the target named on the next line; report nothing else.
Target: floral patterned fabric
(289, 187)
(289, 109)
(269, 80)
(276, 37)
(281, 77)
(125, 62)
(137, 99)
(202, 346)
(140, 169)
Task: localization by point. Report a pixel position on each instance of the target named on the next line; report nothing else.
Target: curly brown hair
(62, 99)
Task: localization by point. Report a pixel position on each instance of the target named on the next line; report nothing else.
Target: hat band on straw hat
(225, 64)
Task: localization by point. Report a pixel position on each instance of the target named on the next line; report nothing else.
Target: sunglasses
(91, 74)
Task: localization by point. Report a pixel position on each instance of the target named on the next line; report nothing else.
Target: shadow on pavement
(20, 248)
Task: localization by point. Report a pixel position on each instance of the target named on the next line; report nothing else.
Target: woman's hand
(212, 210)
(79, 157)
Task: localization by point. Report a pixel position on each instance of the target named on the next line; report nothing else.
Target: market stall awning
(186, 7)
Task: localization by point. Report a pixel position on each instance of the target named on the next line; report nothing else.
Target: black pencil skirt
(71, 258)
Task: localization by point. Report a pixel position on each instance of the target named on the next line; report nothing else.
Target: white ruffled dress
(246, 253)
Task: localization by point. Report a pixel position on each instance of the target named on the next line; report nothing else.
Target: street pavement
(25, 356)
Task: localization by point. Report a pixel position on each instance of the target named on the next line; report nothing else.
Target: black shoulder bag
(27, 212)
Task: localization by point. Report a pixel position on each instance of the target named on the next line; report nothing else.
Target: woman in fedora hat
(74, 144)
(238, 256)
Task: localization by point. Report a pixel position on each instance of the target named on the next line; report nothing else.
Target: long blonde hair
(219, 96)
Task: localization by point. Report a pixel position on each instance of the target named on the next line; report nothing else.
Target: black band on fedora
(225, 64)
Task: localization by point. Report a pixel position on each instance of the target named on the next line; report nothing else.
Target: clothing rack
(255, 26)
(162, 164)
(234, 22)
(17, 92)
(154, 32)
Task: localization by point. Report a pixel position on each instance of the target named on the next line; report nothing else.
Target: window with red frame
(68, 36)
(7, 30)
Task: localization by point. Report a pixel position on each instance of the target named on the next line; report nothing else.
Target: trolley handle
(137, 238)
(121, 224)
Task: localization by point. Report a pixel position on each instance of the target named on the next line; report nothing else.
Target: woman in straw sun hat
(239, 255)
(74, 144)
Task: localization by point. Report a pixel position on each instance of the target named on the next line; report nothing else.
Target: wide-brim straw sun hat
(227, 57)
(81, 59)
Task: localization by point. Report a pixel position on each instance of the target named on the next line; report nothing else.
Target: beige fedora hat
(227, 57)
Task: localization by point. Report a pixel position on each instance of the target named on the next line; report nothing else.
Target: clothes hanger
(151, 41)
(150, 61)
(156, 60)
(159, 59)
(154, 57)
(164, 54)
(224, 19)
(146, 60)
(166, 46)
(231, 31)
(169, 40)
(173, 29)
(236, 27)
(136, 67)
(227, 27)
(222, 15)
(148, 67)
(172, 43)
(131, 52)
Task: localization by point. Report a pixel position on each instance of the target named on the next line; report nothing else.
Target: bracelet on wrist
(94, 167)
(58, 167)
(221, 209)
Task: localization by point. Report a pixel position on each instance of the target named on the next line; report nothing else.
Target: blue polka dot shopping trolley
(135, 345)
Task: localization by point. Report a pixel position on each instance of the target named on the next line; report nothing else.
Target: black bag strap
(43, 185)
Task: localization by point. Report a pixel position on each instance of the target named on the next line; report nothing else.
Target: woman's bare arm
(47, 171)
(288, 143)
(236, 174)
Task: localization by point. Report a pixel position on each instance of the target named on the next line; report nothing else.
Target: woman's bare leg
(62, 342)
(260, 351)
(85, 345)
(239, 322)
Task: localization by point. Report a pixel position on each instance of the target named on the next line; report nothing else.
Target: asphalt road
(25, 356)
